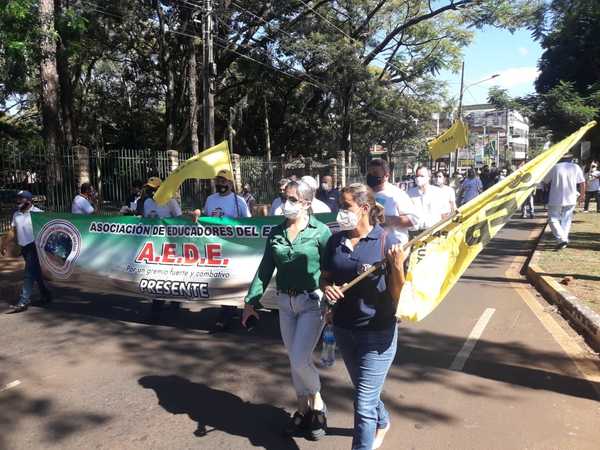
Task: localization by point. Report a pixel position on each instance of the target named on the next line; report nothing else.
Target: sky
(494, 51)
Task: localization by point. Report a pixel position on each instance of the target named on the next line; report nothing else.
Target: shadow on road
(15, 406)
(213, 409)
(425, 357)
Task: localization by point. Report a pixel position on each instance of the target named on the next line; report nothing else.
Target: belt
(294, 292)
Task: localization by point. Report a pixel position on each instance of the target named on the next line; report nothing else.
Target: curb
(580, 317)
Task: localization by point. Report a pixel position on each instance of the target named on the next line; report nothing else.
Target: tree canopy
(568, 86)
(327, 74)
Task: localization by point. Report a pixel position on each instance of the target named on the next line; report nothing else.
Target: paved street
(94, 374)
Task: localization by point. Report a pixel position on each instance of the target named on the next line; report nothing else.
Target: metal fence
(113, 172)
(263, 176)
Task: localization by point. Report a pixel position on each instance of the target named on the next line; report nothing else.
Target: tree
(568, 87)
(49, 84)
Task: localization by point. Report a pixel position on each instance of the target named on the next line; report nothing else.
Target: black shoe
(19, 307)
(298, 424)
(317, 425)
(221, 326)
(561, 245)
(46, 298)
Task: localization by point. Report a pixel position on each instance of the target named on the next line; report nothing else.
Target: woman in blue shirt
(364, 316)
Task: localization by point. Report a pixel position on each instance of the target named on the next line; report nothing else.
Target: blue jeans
(301, 320)
(33, 273)
(368, 356)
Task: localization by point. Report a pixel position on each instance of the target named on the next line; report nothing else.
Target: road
(89, 372)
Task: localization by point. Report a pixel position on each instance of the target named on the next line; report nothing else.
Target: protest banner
(213, 260)
(204, 165)
(455, 137)
(440, 258)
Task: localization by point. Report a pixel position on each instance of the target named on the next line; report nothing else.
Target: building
(490, 140)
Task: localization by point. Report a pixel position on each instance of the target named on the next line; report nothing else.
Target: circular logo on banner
(59, 245)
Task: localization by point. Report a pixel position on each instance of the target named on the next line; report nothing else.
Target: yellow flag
(204, 165)
(439, 260)
(455, 137)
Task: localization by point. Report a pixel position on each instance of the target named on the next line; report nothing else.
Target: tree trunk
(165, 62)
(346, 128)
(66, 87)
(49, 88)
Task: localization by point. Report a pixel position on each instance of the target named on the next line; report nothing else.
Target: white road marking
(11, 385)
(469, 345)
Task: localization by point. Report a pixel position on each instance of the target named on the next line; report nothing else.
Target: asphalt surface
(94, 373)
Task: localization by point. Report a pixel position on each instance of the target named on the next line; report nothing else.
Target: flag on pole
(440, 258)
(455, 137)
(204, 165)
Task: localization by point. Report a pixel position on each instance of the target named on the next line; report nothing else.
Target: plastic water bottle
(328, 350)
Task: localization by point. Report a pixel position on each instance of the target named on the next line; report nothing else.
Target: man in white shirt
(277, 205)
(563, 180)
(429, 200)
(153, 209)
(400, 214)
(449, 194)
(317, 205)
(83, 203)
(224, 202)
(593, 187)
(23, 229)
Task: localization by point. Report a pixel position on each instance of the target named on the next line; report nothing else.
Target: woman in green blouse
(295, 249)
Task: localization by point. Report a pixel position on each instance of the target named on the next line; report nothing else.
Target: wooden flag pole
(442, 223)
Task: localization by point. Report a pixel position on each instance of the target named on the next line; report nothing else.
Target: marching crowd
(312, 265)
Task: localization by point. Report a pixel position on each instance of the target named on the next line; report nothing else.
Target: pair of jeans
(33, 274)
(560, 218)
(588, 196)
(368, 356)
(301, 320)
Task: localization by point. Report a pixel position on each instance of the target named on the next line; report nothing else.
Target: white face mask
(421, 181)
(291, 210)
(348, 220)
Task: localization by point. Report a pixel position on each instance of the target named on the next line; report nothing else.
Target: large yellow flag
(455, 137)
(204, 165)
(439, 259)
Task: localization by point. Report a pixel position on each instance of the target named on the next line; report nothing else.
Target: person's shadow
(213, 409)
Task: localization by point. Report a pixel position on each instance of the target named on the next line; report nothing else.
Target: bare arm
(395, 260)
(582, 187)
(399, 221)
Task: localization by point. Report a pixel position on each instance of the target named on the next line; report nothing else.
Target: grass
(580, 260)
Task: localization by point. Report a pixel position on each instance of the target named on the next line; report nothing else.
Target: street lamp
(463, 89)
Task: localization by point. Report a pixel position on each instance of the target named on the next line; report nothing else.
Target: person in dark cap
(22, 228)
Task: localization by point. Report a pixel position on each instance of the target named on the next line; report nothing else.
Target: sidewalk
(580, 260)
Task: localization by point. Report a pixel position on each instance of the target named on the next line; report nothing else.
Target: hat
(224, 173)
(154, 182)
(25, 194)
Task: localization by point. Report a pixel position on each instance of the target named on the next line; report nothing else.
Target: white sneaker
(380, 436)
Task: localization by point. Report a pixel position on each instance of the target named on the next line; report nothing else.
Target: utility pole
(460, 101)
(267, 132)
(209, 72)
(506, 147)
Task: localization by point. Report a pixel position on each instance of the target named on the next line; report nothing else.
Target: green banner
(173, 259)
